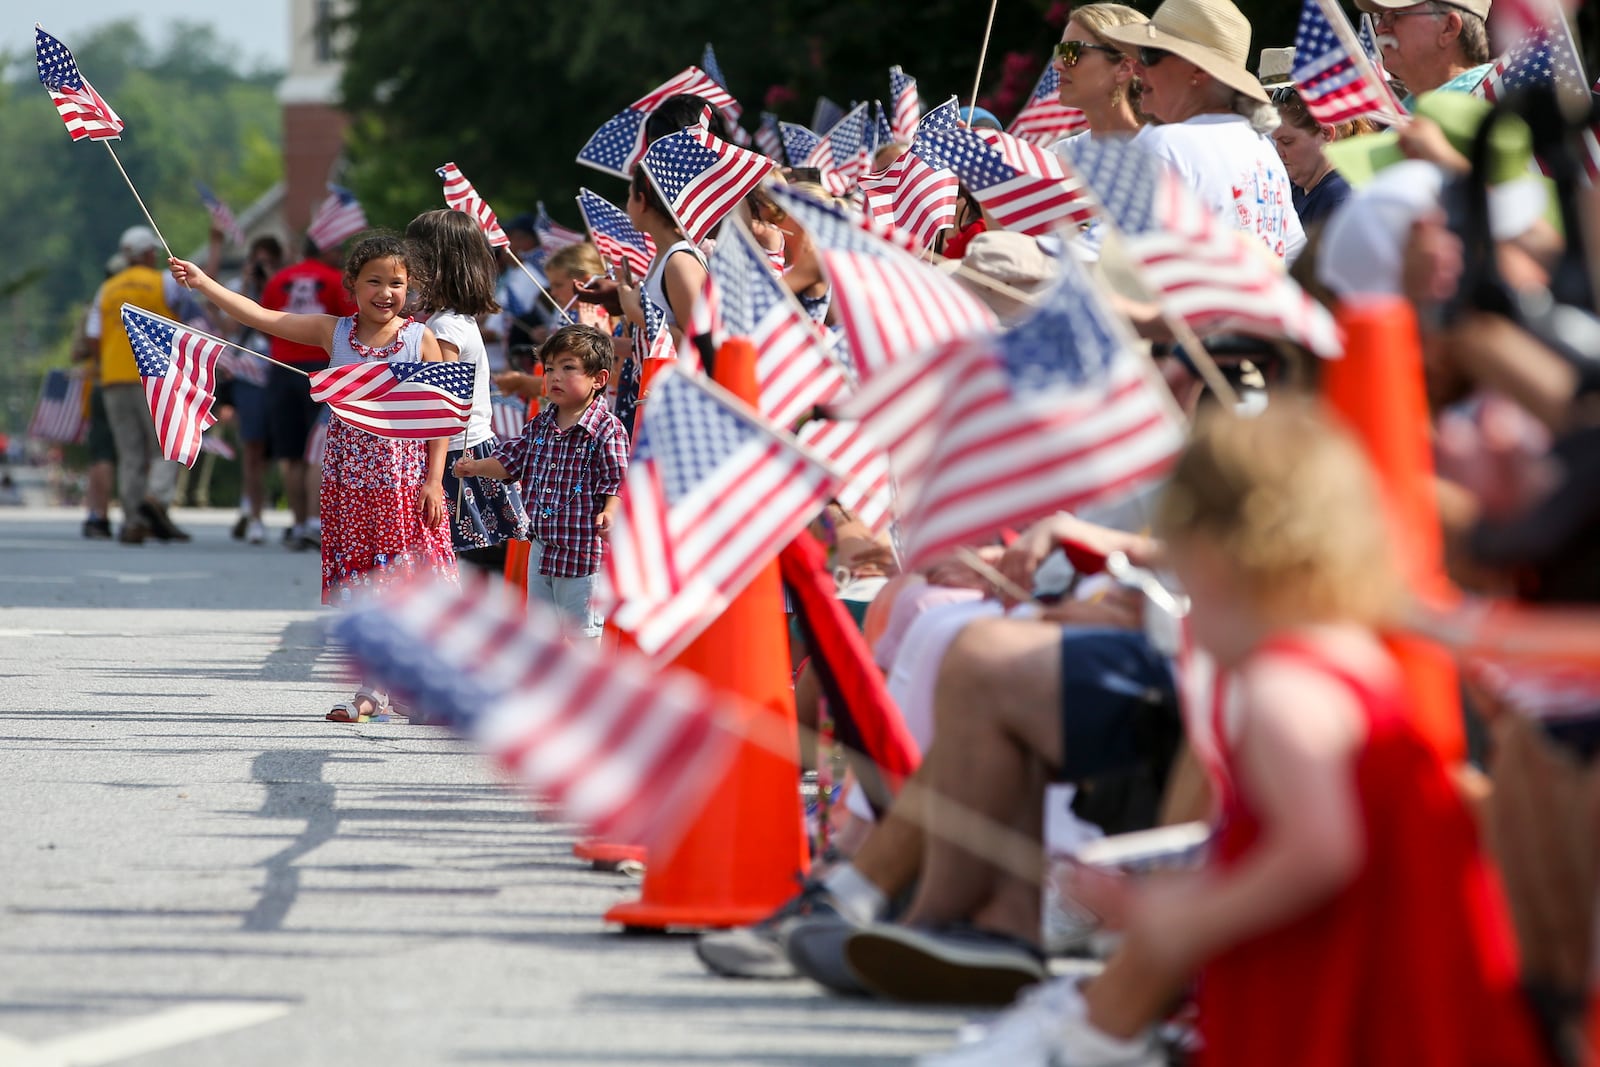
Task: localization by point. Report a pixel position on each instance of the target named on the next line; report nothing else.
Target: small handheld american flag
(619, 143)
(626, 751)
(179, 370)
(614, 235)
(58, 416)
(702, 178)
(553, 236)
(1213, 277)
(891, 304)
(339, 216)
(1335, 84)
(913, 198)
(414, 400)
(1044, 120)
(84, 111)
(905, 107)
(713, 494)
(798, 142)
(1021, 186)
(222, 219)
(841, 154)
(794, 373)
(461, 196)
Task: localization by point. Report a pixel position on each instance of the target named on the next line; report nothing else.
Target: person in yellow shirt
(146, 480)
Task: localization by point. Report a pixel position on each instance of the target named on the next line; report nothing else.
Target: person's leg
(996, 713)
(131, 428)
(574, 598)
(296, 487)
(102, 468)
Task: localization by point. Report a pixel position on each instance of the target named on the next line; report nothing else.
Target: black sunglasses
(1069, 52)
(1149, 57)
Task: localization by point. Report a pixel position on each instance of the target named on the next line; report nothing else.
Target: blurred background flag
(58, 416)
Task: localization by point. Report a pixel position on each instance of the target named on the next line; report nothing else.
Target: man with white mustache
(1434, 44)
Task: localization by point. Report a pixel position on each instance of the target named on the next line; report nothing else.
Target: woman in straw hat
(1190, 59)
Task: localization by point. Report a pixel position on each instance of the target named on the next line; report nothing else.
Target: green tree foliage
(511, 89)
(190, 115)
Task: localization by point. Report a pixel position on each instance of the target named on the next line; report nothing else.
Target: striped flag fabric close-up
(408, 400)
(614, 235)
(702, 178)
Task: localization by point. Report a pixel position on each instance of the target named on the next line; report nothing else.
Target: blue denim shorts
(1118, 704)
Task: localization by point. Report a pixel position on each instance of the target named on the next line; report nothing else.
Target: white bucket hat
(1212, 34)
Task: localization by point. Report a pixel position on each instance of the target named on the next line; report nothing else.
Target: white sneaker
(1047, 1027)
(255, 533)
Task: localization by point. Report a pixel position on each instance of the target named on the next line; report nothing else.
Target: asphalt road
(196, 869)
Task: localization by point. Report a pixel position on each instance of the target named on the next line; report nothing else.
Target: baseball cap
(137, 240)
(1479, 8)
(979, 118)
(524, 222)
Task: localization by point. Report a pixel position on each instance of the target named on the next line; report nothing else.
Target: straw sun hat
(1212, 34)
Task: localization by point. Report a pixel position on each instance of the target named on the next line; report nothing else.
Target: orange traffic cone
(1377, 389)
(743, 854)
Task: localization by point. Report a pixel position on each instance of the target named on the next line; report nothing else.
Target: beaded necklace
(368, 352)
(547, 510)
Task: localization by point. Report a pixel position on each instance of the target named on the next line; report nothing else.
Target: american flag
(868, 489)
(798, 142)
(713, 493)
(58, 416)
(995, 431)
(768, 139)
(625, 750)
(83, 110)
(882, 134)
(461, 196)
(1021, 186)
(713, 69)
(794, 373)
(553, 236)
(1214, 277)
(507, 416)
(913, 198)
(1368, 37)
(1335, 85)
(702, 178)
(841, 154)
(1545, 57)
(222, 219)
(179, 369)
(903, 101)
(826, 114)
(1044, 119)
(411, 399)
(614, 235)
(617, 145)
(654, 339)
(891, 304)
(338, 216)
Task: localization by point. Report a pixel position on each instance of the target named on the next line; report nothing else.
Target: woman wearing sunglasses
(1097, 77)
(1190, 60)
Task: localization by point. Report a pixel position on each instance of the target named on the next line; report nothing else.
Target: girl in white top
(1190, 58)
(458, 274)
(678, 272)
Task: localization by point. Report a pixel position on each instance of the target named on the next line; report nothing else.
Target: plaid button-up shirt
(565, 474)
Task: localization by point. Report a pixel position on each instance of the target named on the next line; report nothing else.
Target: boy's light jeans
(572, 597)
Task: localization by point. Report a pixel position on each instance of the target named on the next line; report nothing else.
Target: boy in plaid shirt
(570, 462)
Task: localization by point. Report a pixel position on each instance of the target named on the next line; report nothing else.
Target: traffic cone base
(607, 853)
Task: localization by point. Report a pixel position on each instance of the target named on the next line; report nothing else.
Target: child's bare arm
(433, 351)
(488, 467)
(314, 330)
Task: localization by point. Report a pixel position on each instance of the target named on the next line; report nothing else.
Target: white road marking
(122, 1041)
(124, 578)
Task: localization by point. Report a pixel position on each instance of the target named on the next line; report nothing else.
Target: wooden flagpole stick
(138, 198)
(220, 341)
(977, 79)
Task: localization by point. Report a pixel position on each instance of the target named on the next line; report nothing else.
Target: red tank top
(1410, 965)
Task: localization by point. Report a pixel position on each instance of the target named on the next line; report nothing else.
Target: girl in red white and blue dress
(383, 505)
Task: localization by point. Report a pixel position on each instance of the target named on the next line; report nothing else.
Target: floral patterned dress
(373, 535)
